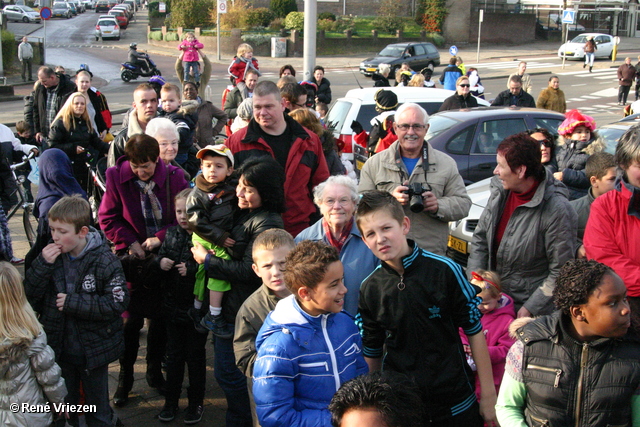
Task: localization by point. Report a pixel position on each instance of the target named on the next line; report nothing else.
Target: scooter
(129, 72)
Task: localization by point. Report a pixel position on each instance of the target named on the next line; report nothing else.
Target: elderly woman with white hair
(166, 133)
(381, 77)
(337, 198)
(245, 112)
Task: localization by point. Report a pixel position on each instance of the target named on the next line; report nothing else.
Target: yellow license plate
(371, 70)
(107, 32)
(568, 53)
(457, 244)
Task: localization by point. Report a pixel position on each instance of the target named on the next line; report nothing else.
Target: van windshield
(337, 115)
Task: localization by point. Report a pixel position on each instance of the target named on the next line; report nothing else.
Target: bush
(172, 37)
(327, 15)
(294, 21)
(282, 8)
(256, 39)
(276, 25)
(154, 10)
(433, 14)
(436, 38)
(235, 16)
(155, 35)
(326, 25)
(190, 13)
(9, 49)
(389, 24)
(345, 23)
(259, 17)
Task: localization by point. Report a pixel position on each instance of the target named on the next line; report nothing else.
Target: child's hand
(166, 264)
(60, 299)
(51, 252)
(229, 242)
(199, 252)
(151, 243)
(182, 269)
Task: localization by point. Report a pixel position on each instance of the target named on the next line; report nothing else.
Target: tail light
(97, 27)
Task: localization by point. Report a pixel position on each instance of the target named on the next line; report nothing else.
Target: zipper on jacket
(332, 353)
(583, 365)
(314, 365)
(401, 284)
(558, 372)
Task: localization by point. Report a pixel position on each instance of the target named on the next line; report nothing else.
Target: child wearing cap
(210, 208)
(576, 143)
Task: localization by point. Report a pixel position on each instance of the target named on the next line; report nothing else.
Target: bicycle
(28, 219)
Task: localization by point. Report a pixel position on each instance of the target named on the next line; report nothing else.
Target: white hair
(384, 68)
(411, 106)
(161, 124)
(343, 180)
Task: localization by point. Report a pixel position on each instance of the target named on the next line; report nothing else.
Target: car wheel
(25, 19)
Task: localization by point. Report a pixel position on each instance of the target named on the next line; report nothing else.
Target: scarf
(342, 239)
(151, 208)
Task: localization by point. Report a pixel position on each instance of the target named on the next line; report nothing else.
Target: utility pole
(310, 25)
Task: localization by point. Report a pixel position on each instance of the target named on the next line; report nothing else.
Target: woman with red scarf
(337, 198)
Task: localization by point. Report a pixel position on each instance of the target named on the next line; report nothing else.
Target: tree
(283, 7)
(389, 16)
(431, 14)
(190, 13)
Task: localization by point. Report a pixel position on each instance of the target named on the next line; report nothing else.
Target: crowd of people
(328, 301)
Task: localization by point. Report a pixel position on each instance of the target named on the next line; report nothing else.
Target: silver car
(21, 13)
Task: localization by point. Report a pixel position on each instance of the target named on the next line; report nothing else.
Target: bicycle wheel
(30, 223)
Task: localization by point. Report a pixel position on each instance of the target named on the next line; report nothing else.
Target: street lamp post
(310, 25)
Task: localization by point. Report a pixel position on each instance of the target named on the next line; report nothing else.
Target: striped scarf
(151, 208)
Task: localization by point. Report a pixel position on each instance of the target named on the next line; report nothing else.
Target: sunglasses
(465, 85)
(545, 142)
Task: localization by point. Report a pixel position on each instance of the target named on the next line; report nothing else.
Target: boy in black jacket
(184, 343)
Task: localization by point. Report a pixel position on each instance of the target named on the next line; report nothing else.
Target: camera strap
(425, 163)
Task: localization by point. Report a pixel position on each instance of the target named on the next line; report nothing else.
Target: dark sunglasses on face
(545, 142)
(465, 85)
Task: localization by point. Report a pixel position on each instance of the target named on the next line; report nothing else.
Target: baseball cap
(220, 149)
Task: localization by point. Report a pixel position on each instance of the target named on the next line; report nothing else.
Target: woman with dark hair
(547, 147)
(260, 194)
(287, 70)
(324, 86)
(135, 213)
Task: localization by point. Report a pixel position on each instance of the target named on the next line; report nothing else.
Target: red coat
(306, 167)
(612, 236)
(238, 68)
(495, 326)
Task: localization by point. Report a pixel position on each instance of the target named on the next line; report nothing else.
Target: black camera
(415, 193)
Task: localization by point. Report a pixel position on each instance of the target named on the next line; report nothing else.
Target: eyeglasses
(415, 126)
(465, 85)
(342, 202)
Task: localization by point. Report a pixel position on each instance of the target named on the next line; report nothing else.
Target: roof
(481, 112)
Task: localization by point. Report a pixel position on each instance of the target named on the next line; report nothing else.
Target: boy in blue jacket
(307, 346)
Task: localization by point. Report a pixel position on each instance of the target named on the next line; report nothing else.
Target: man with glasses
(413, 172)
(514, 96)
(462, 98)
(294, 95)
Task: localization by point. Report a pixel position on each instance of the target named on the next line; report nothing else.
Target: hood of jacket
(595, 145)
(289, 318)
(188, 107)
(56, 180)
(14, 350)
(95, 240)
(505, 307)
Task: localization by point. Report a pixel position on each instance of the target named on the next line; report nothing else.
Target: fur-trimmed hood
(595, 145)
(517, 324)
(189, 106)
(15, 350)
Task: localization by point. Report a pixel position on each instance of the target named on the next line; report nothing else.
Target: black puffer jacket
(456, 102)
(210, 210)
(65, 88)
(571, 159)
(324, 90)
(551, 369)
(68, 140)
(238, 271)
(380, 80)
(177, 290)
(522, 100)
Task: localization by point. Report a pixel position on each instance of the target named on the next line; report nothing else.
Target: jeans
(95, 384)
(185, 345)
(232, 382)
(196, 70)
(589, 58)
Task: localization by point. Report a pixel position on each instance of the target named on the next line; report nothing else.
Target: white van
(358, 104)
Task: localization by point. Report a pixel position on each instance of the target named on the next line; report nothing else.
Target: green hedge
(9, 49)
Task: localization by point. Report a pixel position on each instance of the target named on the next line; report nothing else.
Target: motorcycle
(129, 72)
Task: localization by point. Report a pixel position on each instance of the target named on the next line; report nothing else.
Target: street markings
(501, 65)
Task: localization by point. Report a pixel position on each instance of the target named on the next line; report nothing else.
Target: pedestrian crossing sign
(568, 16)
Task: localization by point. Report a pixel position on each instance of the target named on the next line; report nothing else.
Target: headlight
(362, 64)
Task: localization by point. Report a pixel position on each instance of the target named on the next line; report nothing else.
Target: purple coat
(120, 212)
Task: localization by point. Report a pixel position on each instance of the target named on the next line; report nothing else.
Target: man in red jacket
(298, 150)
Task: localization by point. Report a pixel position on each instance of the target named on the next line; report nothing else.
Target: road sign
(45, 13)
(453, 50)
(222, 6)
(568, 16)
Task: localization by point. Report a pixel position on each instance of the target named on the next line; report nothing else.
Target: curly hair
(578, 279)
(307, 264)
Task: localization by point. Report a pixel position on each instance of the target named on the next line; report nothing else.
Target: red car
(120, 16)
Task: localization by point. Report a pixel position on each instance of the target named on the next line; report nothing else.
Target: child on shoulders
(242, 62)
(190, 47)
(182, 116)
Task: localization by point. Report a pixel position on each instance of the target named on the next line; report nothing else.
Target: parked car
(124, 8)
(458, 133)
(358, 104)
(61, 10)
(107, 28)
(88, 4)
(21, 13)
(131, 3)
(102, 6)
(78, 5)
(612, 132)
(575, 48)
(123, 21)
(418, 55)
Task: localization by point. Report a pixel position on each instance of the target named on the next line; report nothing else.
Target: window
(498, 130)
(551, 125)
(411, 51)
(431, 49)
(461, 142)
(419, 49)
(338, 114)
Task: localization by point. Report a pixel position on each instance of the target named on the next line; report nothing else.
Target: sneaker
(168, 413)
(217, 325)
(194, 414)
(16, 261)
(195, 315)
(584, 65)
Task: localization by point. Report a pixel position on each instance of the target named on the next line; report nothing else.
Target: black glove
(382, 132)
(356, 127)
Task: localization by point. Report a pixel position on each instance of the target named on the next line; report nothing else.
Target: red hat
(573, 119)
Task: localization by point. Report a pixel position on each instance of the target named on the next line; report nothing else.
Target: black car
(472, 136)
(417, 55)
(102, 6)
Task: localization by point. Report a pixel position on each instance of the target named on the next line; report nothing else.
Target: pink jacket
(495, 326)
(190, 50)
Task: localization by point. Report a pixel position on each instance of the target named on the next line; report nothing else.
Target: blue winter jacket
(302, 361)
(450, 76)
(357, 259)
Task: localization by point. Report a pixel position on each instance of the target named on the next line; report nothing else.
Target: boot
(125, 383)
(155, 378)
(584, 65)
(590, 68)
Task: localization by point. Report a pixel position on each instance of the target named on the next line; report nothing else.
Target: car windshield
(611, 137)
(580, 39)
(27, 9)
(438, 124)
(394, 51)
(106, 23)
(337, 115)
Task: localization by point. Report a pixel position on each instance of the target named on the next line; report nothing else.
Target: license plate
(568, 53)
(371, 70)
(107, 32)
(457, 244)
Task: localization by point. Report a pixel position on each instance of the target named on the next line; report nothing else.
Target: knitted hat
(573, 119)
(385, 100)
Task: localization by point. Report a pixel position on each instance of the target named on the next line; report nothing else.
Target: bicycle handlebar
(25, 161)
